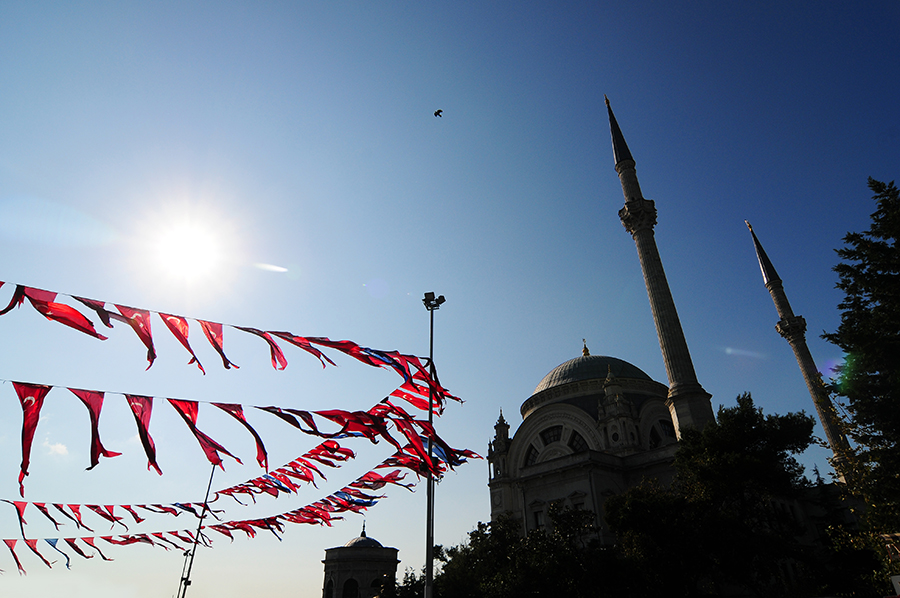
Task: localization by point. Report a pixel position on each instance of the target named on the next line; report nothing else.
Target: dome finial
(585, 351)
(363, 534)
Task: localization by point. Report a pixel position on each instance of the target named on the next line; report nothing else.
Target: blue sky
(302, 135)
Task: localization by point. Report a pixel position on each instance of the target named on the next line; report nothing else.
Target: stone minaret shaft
(688, 402)
(793, 329)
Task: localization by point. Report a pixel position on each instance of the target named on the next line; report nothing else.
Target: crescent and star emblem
(29, 399)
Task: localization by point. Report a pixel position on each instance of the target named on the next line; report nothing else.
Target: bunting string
(387, 421)
(409, 367)
(373, 424)
(351, 498)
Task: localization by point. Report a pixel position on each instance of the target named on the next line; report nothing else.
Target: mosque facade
(597, 425)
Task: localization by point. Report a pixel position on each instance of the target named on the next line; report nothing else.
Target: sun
(188, 251)
(188, 243)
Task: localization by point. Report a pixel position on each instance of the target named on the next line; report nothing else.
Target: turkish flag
(32, 398)
(44, 302)
(32, 544)
(71, 542)
(11, 544)
(142, 408)
(93, 400)
(304, 344)
(139, 320)
(179, 328)
(213, 332)
(279, 362)
(237, 412)
(99, 308)
(188, 412)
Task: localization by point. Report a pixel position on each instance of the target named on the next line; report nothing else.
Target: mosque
(597, 425)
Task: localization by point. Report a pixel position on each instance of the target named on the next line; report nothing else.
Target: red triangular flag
(213, 332)
(90, 542)
(93, 400)
(142, 407)
(139, 320)
(188, 412)
(279, 362)
(32, 398)
(43, 301)
(179, 328)
(11, 544)
(237, 412)
(32, 544)
(71, 542)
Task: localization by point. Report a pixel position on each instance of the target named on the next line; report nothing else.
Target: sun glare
(188, 251)
(191, 244)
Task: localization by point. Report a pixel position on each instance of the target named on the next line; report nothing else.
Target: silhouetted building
(359, 568)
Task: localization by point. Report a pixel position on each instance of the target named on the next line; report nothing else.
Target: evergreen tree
(869, 380)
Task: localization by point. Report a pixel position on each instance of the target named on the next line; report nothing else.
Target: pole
(429, 524)
(431, 304)
(189, 555)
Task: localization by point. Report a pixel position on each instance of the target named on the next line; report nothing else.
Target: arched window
(531, 456)
(660, 432)
(329, 589)
(351, 589)
(577, 442)
(381, 585)
(655, 438)
(668, 429)
(551, 434)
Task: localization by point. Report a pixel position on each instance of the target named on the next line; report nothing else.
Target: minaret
(793, 329)
(688, 403)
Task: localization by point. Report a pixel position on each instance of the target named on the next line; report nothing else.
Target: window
(655, 438)
(577, 442)
(667, 428)
(329, 589)
(351, 589)
(538, 519)
(552, 434)
(531, 456)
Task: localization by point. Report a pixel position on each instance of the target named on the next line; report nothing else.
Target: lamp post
(189, 554)
(431, 304)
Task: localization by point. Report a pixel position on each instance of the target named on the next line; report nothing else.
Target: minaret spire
(688, 402)
(793, 329)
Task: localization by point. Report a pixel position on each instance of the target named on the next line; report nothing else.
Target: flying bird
(438, 113)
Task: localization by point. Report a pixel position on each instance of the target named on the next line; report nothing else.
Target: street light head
(432, 303)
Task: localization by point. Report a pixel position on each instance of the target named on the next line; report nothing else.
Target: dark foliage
(868, 384)
(497, 562)
(716, 529)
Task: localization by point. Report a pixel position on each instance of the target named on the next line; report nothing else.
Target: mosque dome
(363, 541)
(581, 381)
(589, 367)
